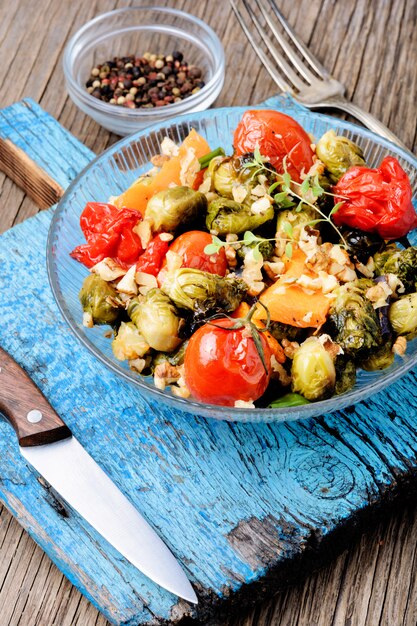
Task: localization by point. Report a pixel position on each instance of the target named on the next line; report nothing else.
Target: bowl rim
(124, 112)
(256, 414)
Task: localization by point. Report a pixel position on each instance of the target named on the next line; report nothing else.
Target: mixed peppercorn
(153, 80)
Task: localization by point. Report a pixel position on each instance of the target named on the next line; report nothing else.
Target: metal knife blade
(47, 444)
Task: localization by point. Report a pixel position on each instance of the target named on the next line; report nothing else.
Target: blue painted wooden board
(244, 507)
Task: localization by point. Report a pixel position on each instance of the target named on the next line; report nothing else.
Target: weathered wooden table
(370, 46)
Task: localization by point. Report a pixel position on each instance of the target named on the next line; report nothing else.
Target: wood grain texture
(374, 584)
(29, 412)
(32, 179)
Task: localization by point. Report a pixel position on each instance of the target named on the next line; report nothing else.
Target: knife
(48, 445)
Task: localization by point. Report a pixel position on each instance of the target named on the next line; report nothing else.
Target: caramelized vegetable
(139, 194)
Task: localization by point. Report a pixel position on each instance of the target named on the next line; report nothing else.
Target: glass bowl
(113, 171)
(135, 30)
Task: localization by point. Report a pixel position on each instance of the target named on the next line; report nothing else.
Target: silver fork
(294, 69)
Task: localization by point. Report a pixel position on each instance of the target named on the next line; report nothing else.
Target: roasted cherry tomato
(277, 135)
(191, 246)
(151, 260)
(222, 365)
(376, 200)
(109, 233)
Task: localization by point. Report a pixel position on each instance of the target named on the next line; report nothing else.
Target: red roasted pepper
(378, 200)
(151, 260)
(109, 233)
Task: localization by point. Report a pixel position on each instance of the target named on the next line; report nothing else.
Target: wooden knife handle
(29, 412)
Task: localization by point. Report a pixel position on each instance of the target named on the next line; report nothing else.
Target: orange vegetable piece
(138, 194)
(274, 345)
(289, 303)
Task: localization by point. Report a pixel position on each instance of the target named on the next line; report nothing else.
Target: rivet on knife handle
(29, 412)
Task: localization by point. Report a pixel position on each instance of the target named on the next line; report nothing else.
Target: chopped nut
(159, 159)
(190, 166)
(239, 193)
(169, 148)
(108, 269)
(339, 255)
(252, 273)
(347, 275)
(88, 320)
(261, 205)
(166, 237)
(166, 374)
(400, 346)
(243, 404)
(379, 294)
(330, 346)
(259, 191)
(289, 347)
(230, 256)
(144, 231)
(279, 373)
(174, 260)
(128, 284)
(274, 269)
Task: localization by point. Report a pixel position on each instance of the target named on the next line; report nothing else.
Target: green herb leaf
(257, 155)
(249, 238)
(335, 208)
(305, 186)
(287, 228)
(256, 254)
(280, 197)
(299, 207)
(288, 250)
(286, 177)
(273, 187)
(211, 248)
(317, 189)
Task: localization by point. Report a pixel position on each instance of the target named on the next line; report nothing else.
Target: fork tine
(316, 65)
(287, 48)
(282, 84)
(280, 61)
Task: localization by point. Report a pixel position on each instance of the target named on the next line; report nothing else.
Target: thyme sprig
(249, 238)
(309, 189)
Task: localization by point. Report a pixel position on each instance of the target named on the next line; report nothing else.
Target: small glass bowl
(136, 30)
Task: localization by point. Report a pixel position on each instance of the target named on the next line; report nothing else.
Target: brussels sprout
(96, 297)
(227, 216)
(265, 247)
(172, 207)
(402, 263)
(173, 358)
(224, 177)
(362, 245)
(338, 154)
(354, 320)
(229, 172)
(345, 374)
(201, 291)
(157, 320)
(313, 372)
(129, 343)
(296, 221)
(380, 359)
(402, 315)
(285, 331)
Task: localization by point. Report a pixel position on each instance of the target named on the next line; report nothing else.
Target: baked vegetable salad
(265, 278)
